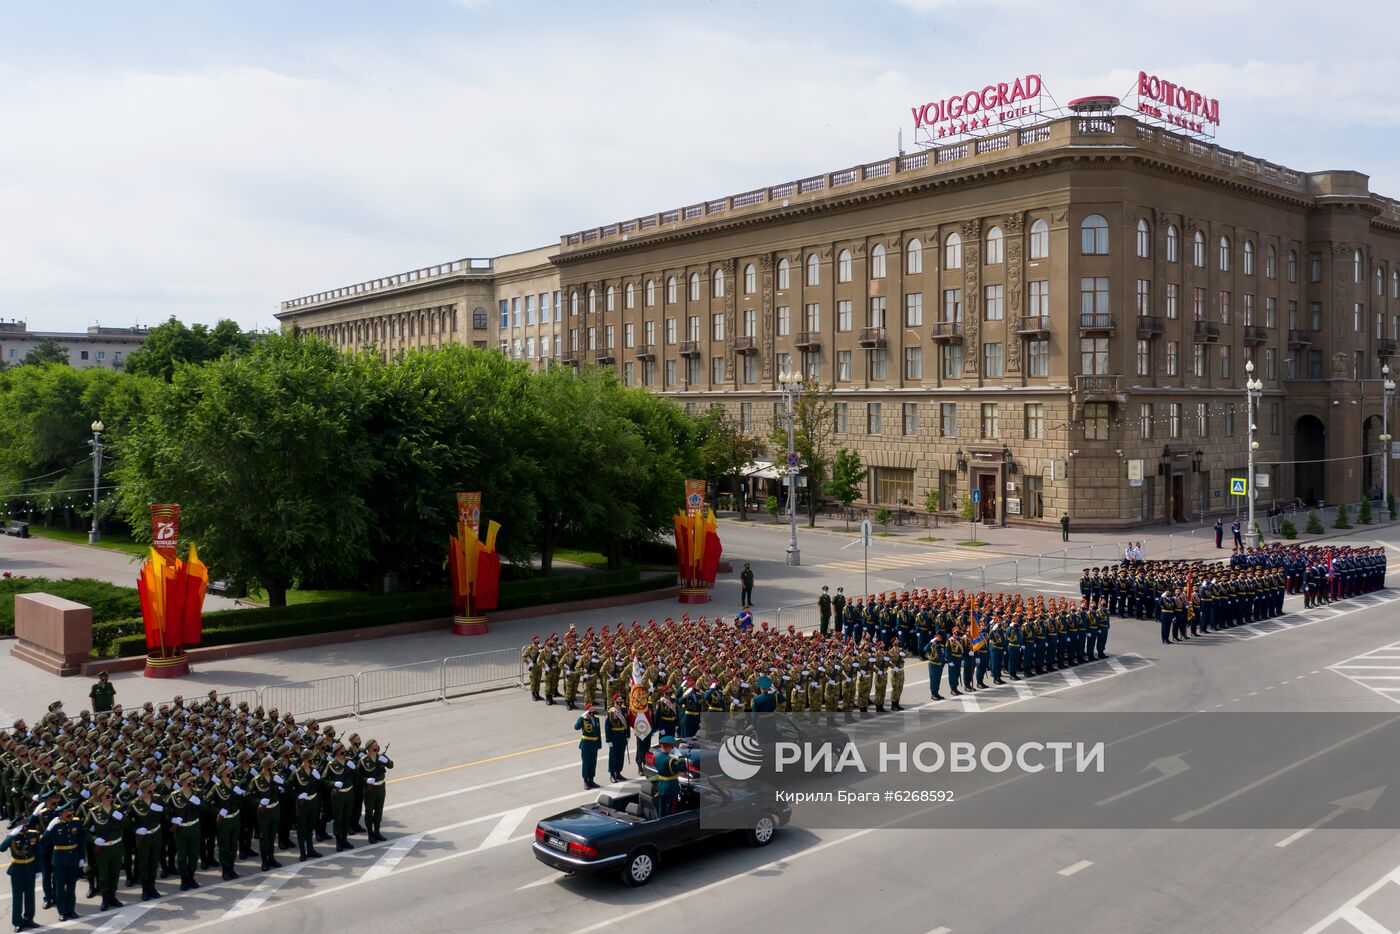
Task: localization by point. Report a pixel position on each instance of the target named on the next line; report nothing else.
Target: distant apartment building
(95, 347)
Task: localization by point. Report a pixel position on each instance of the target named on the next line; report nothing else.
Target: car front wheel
(762, 832)
(640, 867)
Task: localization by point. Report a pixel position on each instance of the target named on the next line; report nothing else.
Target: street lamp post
(1388, 389)
(791, 384)
(1253, 388)
(97, 428)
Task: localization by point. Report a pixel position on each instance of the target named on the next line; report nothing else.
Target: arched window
(1093, 236)
(1356, 266)
(1292, 265)
(914, 257)
(1144, 239)
(671, 290)
(592, 301)
(1224, 264)
(877, 261)
(814, 270)
(1198, 250)
(651, 292)
(1040, 240)
(784, 274)
(629, 297)
(718, 284)
(1395, 284)
(695, 286)
(1249, 257)
(750, 279)
(952, 252)
(1271, 262)
(1173, 244)
(573, 304)
(843, 266)
(996, 246)
(608, 298)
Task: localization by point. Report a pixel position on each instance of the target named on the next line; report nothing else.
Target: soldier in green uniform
(264, 793)
(64, 839)
(184, 807)
(104, 829)
(573, 670)
(227, 806)
(895, 657)
(102, 694)
(551, 672)
(23, 843)
(339, 783)
(590, 741)
(145, 822)
(374, 771)
(838, 609)
(865, 677)
(305, 783)
(882, 677)
(617, 733)
(824, 608)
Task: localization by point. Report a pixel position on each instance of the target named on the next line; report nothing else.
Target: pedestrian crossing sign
(1238, 486)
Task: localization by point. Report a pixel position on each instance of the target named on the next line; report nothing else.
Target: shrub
(1287, 529)
(1363, 515)
(1314, 526)
(1343, 520)
(108, 601)
(771, 505)
(882, 516)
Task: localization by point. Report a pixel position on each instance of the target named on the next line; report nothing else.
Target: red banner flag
(710, 566)
(165, 528)
(488, 577)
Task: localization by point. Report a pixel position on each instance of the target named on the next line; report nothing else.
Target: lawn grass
(297, 597)
(114, 541)
(589, 559)
(972, 544)
(929, 538)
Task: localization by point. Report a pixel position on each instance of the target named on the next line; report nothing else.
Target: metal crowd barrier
(463, 673)
(337, 694)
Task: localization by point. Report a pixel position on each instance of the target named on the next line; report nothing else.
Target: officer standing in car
(668, 785)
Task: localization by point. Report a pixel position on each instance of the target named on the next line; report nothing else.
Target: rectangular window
(877, 312)
(1275, 415)
(750, 323)
(914, 309)
(992, 359)
(1270, 363)
(1198, 360)
(1198, 304)
(1144, 358)
(1035, 420)
(811, 365)
(692, 371)
(515, 311)
(716, 369)
(544, 308)
(952, 304)
(1143, 297)
(626, 372)
(1145, 420)
(1038, 358)
(1315, 316)
(872, 418)
(529, 309)
(910, 419)
(1173, 301)
(609, 333)
(994, 297)
(1033, 498)
(592, 338)
(1224, 361)
(1093, 300)
(948, 419)
(650, 329)
(505, 313)
(751, 368)
(843, 315)
(952, 361)
(1270, 312)
(692, 327)
(1096, 425)
(842, 410)
(717, 327)
(1093, 356)
(893, 485)
(1314, 364)
(1174, 419)
(1292, 314)
(1203, 419)
(812, 317)
(746, 416)
(1247, 309)
(1315, 267)
(784, 362)
(670, 372)
(877, 361)
(1223, 301)
(1356, 317)
(990, 420)
(784, 320)
(913, 363)
(1229, 419)
(648, 372)
(947, 489)
(628, 334)
(1040, 298)
(670, 330)
(843, 366)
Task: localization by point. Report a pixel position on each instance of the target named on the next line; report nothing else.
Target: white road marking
(392, 857)
(1293, 621)
(123, 919)
(1117, 665)
(1072, 677)
(1360, 670)
(554, 876)
(267, 888)
(504, 828)
(1024, 692)
(941, 931)
(970, 704)
(470, 788)
(1077, 867)
(1350, 910)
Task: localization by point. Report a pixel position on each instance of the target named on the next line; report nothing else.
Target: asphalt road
(475, 775)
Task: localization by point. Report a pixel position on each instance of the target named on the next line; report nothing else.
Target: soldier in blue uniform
(668, 785)
(23, 843)
(617, 733)
(64, 838)
(590, 741)
(996, 640)
(935, 654)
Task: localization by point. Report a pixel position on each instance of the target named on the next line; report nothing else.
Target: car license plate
(557, 843)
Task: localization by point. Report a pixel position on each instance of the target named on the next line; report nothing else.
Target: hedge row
(126, 638)
(108, 601)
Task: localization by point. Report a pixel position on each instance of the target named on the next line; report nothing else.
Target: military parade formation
(135, 796)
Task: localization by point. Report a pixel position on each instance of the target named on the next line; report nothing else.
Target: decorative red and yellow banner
(694, 497)
(474, 568)
(165, 528)
(172, 607)
(697, 554)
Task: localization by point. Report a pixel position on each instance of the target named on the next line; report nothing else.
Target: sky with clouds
(208, 159)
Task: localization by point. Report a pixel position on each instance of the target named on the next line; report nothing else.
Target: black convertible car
(622, 833)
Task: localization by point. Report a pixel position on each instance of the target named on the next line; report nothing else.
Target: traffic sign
(977, 496)
(1239, 486)
(793, 460)
(865, 531)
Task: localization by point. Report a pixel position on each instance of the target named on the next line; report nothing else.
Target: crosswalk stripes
(1377, 671)
(1317, 614)
(1355, 913)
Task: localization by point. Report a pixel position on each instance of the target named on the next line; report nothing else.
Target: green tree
(172, 343)
(1314, 526)
(882, 516)
(726, 449)
(1343, 520)
(45, 352)
(770, 505)
(814, 434)
(847, 474)
(1363, 514)
(267, 455)
(1287, 529)
(931, 501)
(967, 508)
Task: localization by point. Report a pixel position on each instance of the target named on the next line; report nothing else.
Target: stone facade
(97, 347)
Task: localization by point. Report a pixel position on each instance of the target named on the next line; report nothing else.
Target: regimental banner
(694, 497)
(165, 528)
(469, 510)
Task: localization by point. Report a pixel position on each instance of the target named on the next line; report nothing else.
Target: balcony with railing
(690, 348)
(605, 356)
(948, 332)
(1298, 340)
(1256, 335)
(646, 352)
(1034, 326)
(1099, 388)
(571, 356)
(745, 345)
(808, 340)
(1096, 322)
(1207, 331)
(872, 337)
(1150, 325)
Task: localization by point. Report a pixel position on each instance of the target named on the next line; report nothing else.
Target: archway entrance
(1309, 450)
(1372, 462)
